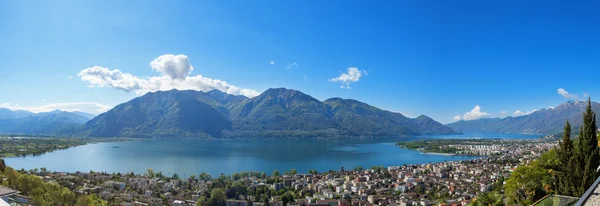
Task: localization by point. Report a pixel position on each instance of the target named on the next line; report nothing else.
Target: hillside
(44, 123)
(276, 113)
(544, 121)
(163, 114)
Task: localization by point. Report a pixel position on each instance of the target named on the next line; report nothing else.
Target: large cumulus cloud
(175, 70)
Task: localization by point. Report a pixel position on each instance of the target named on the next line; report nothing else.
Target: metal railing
(588, 193)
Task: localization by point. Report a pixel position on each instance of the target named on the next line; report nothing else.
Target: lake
(187, 157)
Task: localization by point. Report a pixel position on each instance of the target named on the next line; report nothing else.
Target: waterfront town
(442, 183)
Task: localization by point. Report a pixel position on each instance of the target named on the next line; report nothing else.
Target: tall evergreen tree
(565, 156)
(2, 165)
(589, 155)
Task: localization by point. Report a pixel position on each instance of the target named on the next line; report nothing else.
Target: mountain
(276, 113)
(83, 114)
(44, 123)
(544, 121)
(165, 114)
(10, 114)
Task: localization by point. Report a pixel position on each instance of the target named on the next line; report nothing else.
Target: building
(7, 194)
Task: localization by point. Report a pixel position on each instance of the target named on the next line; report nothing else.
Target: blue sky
(439, 58)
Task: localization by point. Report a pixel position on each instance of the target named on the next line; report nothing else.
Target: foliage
(587, 156)
(566, 182)
(2, 165)
(493, 198)
(90, 200)
(217, 198)
(529, 183)
(44, 193)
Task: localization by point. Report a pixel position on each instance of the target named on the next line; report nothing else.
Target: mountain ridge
(55, 122)
(543, 121)
(275, 113)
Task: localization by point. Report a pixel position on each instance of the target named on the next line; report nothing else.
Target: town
(442, 183)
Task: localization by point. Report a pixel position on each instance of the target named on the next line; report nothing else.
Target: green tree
(566, 158)
(2, 165)
(588, 157)
(529, 183)
(90, 200)
(276, 173)
(488, 199)
(175, 176)
(150, 173)
(287, 198)
(218, 197)
(204, 176)
(202, 201)
(293, 172)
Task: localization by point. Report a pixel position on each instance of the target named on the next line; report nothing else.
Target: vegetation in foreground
(569, 169)
(43, 193)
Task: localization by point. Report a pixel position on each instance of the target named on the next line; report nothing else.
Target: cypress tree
(2, 165)
(565, 156)
(588, 143)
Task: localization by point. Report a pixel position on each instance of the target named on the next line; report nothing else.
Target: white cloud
(475, 113)
(585, 94)
(566, 94)
(272, 62)
(175, 72)
(353, 74)
(521, 113)
(456, 118)
(174, 66)
(503, 113)
(291, 66)
(88, 107)
(551, 107)
(70, 77)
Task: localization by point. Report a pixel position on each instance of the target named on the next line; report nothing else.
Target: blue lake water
(187, 157)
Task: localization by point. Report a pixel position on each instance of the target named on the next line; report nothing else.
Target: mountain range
(544, 121)
(276, 113)
(55, 122)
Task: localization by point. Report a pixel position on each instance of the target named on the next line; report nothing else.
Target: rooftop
(5, 191)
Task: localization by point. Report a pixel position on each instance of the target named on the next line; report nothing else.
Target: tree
(588, 158)
(293, 172)
(175, 176)
(2, 165)
(276, 173)
(91, 200)
(565, 156)
(529, 183)
(150, 173)
(489, 199)
(218, 197)
(287, 198)
(204, 176)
